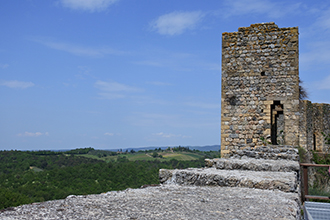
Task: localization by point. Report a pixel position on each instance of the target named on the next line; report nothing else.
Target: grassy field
(147, 156)
(181, 156)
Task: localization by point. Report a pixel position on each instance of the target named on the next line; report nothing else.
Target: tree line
(30, 176)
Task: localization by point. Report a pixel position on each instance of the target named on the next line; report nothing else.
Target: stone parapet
(269, 152)
(167, 202)
(284, 181)
(253, 164)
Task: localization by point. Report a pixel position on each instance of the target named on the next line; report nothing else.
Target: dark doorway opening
(277, 123)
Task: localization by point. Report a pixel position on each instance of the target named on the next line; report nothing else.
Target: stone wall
(260, 87)
(269, 152)
(306, 125)
(166, 202)
(314, 122)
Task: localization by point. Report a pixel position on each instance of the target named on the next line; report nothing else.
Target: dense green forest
(36, 176)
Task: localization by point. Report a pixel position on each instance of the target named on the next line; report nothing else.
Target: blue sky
(126, 73)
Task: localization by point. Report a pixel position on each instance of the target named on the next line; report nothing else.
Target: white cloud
(272, 8)
(114, 90)
(31, 134)
(109, 134)
(112, 134)
(149, 63)
(114, 87)
(103, 95)
(88, 5)
(179, 61)
(164, 135)
(324, 20)
(3, 65)
(156, 83)
(79, 50)
(176, 23)
(17, 84)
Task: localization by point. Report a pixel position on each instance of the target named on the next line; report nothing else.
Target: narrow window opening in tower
(314, 142)
(277, 123)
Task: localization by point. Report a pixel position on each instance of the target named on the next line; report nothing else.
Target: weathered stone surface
(166, 202)
(269, 152)
(260, 87)
(253, 164)
(284, 181)
(209, 162)
(314, 119)
(260, 94)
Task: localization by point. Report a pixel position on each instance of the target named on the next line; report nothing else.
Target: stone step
(284, 181)
(253, 164)
(270, 152)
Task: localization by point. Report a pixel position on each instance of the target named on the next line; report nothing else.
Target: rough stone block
(284, 181)
(253, 164)
(167, 202)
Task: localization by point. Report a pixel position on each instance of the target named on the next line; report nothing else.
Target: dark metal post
(305, 182)
(305, 195)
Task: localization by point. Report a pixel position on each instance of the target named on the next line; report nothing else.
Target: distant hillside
(178, 153)
(206, 148)
(36, 176)
(200, 148)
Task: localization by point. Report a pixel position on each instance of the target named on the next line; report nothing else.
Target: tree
(326, 138)
(302, 91)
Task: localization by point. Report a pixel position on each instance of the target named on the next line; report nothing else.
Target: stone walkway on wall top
(276, 169)
(165, 202)
(283, 181)
(232, 188)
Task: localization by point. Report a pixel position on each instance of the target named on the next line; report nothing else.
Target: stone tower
(260, 87)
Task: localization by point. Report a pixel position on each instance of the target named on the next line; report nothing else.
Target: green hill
(35, 176)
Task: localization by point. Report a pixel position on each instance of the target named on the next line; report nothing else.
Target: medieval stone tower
(260, 87)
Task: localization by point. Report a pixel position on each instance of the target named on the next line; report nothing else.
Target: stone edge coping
(284, 181)
(253, 164)
(167, 202)
(245, 154)
(271, 152)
